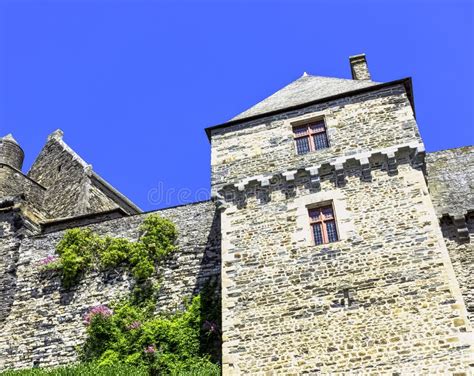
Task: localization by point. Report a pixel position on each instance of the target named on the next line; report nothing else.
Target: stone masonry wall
(11, 154)
(382, 300)
(70, 191)
(450, 175)
(355, 124)
(14, 183)
(462, 257)
(64, 177)
(42, 324)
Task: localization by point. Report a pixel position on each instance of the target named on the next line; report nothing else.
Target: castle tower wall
(384, 297)
(450, 176)
(11, 153)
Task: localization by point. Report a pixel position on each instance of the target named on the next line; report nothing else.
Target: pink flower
(102, 310)
(134, 325)
(48, 260)
(150, 349)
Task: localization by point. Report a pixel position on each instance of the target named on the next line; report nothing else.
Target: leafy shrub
(76, 250)
(158, 236)
(81, 249)
(89, 369)
(166, 344)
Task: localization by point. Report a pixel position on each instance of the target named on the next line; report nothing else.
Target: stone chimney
(359, 68)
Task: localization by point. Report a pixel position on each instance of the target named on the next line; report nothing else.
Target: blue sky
(134, 83)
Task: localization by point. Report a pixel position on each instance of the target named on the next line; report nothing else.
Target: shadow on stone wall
(9, 254)
(208, 283)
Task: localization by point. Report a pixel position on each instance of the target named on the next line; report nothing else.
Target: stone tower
(332, 255)
(10, 152)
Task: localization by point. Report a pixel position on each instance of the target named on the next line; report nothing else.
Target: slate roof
(305, 89)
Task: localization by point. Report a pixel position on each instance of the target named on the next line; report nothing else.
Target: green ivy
(81, 250)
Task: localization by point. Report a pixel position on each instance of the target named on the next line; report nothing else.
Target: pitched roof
(307, 88)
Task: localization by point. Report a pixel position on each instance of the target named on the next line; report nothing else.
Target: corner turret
(11, 153)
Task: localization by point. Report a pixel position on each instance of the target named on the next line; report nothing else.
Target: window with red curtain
(310, 137)
(323, 224)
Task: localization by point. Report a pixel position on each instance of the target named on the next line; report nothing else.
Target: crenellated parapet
(336, 170)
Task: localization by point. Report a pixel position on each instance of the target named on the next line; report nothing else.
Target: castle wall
(450, 176)
(461, 252)
(284, 307)
(363, 122)
(382, 299)
(42, 324)
(14, 183)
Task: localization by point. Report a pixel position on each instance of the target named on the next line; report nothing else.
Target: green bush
(89, 369)
(81, 249)
(76, 251)
(165, 344)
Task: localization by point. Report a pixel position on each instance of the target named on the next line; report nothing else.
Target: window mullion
(324, 232)
(312, 146)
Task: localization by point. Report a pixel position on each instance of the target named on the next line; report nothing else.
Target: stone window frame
(322, 221)
(303, 235)
(307, 132)
(308, 120)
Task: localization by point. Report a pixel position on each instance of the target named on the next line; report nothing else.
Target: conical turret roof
(9, 137)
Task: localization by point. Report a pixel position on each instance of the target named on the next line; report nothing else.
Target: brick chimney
(359, 68)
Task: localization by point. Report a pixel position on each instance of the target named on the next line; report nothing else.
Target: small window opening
(310, 137)
(323, 225)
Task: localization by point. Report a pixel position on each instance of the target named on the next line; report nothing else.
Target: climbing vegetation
(81, 250)
(130, 333)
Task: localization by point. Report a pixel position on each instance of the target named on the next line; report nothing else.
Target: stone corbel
(264, 181)
(241, 186)
(366, 171)
(461, 227)
(289, 175)
(219, 200)
(314, 176)
(419, 157)
(391, 162)
(339, 174)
